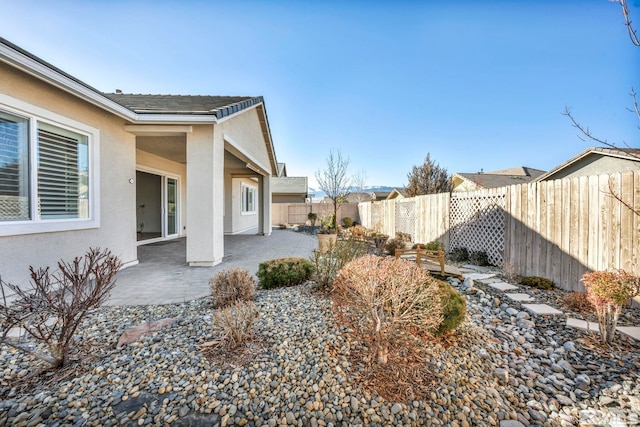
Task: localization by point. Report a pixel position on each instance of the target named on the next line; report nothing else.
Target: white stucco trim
(158, 130)
(36, 225)
(258, 166)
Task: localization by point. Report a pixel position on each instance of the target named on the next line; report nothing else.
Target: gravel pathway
(507, 369)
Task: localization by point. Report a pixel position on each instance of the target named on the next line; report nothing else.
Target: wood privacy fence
(296, 213)
(555, 229)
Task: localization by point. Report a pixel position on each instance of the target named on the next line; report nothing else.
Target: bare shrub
(510, 272)
(609, 291)
(232, 285)
(579, 301)
(328, 264)
(392, 244)
(236, 322)
(56, 303)
(384, 299)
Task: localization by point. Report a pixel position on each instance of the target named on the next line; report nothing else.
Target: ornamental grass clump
(385, 301)
(236, 322)
(232, 285)
(609, 291)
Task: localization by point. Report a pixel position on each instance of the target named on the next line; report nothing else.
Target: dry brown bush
(384, 300)
(230, 286)
(236, 323)
(54, 306)
(579, 301)
(392, 244)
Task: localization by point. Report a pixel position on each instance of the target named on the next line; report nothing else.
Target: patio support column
(205, 196)
(264, 203)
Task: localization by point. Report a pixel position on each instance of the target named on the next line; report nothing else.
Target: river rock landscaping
(506, 367)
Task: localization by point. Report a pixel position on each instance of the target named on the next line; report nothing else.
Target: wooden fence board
(555, 229)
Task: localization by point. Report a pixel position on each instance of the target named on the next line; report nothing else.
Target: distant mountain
(319, 194)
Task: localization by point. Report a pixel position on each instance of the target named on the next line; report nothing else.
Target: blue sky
(478, 84)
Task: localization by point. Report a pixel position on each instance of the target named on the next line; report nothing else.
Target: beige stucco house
(596, 161)
(80, 168)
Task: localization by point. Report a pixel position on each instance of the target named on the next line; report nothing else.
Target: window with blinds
(14, 167)
(62, 173)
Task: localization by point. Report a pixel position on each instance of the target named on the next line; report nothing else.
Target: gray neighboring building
(596, 161)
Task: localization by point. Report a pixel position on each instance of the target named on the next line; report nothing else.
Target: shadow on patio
(163, 276)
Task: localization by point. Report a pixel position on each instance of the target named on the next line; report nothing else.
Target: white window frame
(35, 224)
(244, 210)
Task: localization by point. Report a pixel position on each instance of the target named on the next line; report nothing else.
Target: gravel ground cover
(505, 368)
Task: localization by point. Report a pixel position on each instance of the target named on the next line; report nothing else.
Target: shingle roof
(504, 177)
(219, 106)
(625, 153)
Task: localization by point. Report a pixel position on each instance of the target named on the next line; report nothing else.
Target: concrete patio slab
(542, 309)
(478, 276)
(163, 276)
(519, 297)
(583, 324)
(503, 286)
(632, 331)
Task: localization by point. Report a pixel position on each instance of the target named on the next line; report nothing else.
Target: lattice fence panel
(14, 207)
(406, 217)
(477, 222)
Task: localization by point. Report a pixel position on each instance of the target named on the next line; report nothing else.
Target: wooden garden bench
(423, 256)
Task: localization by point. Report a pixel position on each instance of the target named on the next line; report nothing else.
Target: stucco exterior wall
(596, 164)
(242, 222)
(244, 133)
(117, 165)
(146, 160)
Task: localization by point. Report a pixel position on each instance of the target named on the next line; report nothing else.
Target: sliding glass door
(157, 206)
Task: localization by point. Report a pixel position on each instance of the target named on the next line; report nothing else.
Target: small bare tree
(334, 180)
(57, 303)
(359, 181)
(428, 178)
(585, 133)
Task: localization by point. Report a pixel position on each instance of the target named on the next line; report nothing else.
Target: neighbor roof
(503, 177)
(623, 153)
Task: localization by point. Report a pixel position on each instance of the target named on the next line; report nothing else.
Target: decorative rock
(396, 408)
(501, 374)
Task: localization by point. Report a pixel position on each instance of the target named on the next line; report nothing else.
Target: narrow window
(14, 168)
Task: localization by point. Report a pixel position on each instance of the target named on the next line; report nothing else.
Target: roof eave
(49, 74)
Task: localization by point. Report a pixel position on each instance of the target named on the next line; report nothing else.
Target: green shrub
(281, 272)
(434, 246)
(230, 286)
(459, 254)
(538, 282)
(312, 216)
(392, 244)
(479, 258)
(328, 264)
(347, 221)
(454, 308)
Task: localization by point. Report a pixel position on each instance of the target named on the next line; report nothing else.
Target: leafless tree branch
(627, 22)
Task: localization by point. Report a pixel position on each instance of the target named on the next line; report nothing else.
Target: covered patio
(163, 275)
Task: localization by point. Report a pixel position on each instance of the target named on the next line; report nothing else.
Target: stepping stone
(492, 280)
(583, 324)
(478, 276)
(502, 286)
(519, 297)
(632, 331)
(542, 309)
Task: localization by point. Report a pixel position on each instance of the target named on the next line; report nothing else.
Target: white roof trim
(53, 77)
